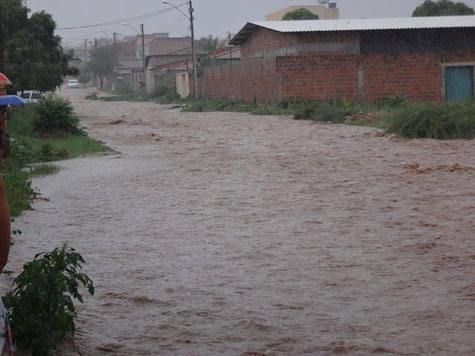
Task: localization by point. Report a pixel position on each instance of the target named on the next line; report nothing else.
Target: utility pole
(85, 49)
(230, 65)
(230, 48)
(143, 50)
(114, 49)
(193, 56)
(195, 76)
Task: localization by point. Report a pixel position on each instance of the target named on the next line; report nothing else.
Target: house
(158, 49)
(426, 58)
(323, 12)
(169, 52)
(166, 74)
(128, 62)
(177, 75)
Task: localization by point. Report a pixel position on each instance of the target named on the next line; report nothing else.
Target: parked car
(30, 96)
(73, 83)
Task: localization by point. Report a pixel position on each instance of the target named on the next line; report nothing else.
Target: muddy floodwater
(232, 234)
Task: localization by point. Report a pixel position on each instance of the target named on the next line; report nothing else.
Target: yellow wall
(183, 84)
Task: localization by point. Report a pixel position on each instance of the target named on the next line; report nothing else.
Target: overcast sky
(215, 17)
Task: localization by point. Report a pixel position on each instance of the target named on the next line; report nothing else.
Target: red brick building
(427, 58)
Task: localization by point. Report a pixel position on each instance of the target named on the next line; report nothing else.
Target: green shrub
(170, 97)
(41, 307)
(19, 191)
(159, 90)
(92, 96)
(123, 88)
(21, 153)
(393, 101)
(444, 120)
(56, 115)
(207, 105)
(22, 121)
(335, 111)
(135, 97)
(305, 112)
(46, 153)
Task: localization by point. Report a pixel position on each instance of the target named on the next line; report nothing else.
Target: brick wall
(264, 40)
(349, 64)
(315, 76)
(417, 75)
(248, 80)
(321, 37)
(361, 77)
(318, 76)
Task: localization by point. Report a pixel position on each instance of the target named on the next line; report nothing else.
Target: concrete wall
(167, 78)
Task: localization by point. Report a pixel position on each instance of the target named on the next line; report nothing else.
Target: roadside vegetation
(395, 114)
(39, 133)
(41, 304)
(444, 120)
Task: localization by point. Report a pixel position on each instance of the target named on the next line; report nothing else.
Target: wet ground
(232, 234)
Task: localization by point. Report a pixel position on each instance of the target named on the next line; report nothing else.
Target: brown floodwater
(232, 234)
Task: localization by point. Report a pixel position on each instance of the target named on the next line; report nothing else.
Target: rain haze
(215, 17)
(307, 191)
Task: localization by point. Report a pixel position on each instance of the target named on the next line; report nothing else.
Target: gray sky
(212, 16)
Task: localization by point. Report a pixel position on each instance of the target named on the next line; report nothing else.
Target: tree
(210, 43)
(84, 76)
(34, 58)
(300, 14)
(442, 8)
(101, 63)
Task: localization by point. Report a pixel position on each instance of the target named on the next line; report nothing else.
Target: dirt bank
(231, 234)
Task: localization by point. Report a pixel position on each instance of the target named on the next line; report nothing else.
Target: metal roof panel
(356, 25)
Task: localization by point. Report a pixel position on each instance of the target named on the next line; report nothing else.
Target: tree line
(428, 8)
(33, 56)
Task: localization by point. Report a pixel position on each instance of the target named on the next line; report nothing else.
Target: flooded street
(232, 234)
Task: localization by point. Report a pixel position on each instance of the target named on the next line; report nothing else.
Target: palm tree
(211, 43)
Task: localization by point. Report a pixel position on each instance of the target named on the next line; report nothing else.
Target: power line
(93, 34)
(128, 19)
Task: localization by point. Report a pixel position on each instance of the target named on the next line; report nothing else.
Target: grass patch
(92, 96)
(63, 147)
(20, 193)
(43, 170)
(208, 105)
(28, 146)
(438, 120)
(134, 97)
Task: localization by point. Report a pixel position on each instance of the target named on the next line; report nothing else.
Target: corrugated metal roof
(223, 53)
(356, 25)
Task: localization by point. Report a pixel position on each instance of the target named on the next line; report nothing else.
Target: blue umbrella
(12, 100)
